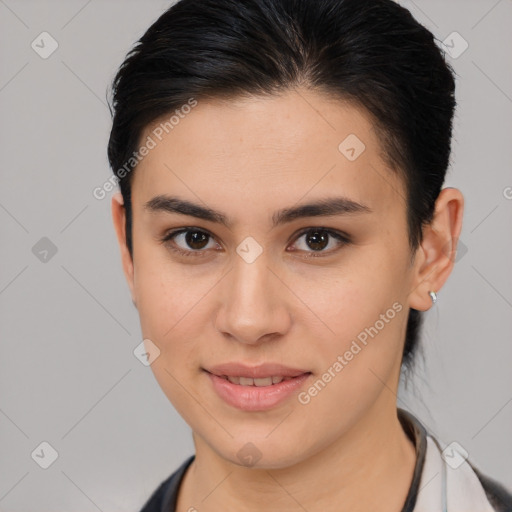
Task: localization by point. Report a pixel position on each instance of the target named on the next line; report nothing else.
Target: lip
(255, 398)
(263, 370)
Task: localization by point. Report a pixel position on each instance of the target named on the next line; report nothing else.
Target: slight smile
(255, 388)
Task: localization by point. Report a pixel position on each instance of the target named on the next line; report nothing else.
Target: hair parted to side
(372, 53)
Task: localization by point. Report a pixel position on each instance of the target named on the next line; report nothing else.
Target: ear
(435, 257)
(119, 220)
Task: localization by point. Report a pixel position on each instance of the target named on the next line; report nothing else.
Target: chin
(262, 453)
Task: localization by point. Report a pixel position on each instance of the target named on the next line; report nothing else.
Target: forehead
(265, 148)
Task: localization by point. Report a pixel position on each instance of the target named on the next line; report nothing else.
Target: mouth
(262, 371)
(256, 388)
(261, 382)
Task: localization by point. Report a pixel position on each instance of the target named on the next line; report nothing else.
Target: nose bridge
(253, 305)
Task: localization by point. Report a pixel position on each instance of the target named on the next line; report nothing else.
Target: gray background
(68, 375)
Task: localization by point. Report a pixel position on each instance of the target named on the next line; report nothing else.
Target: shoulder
(166, 493)
(499, 497)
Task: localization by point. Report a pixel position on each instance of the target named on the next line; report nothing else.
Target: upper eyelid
(179, 231)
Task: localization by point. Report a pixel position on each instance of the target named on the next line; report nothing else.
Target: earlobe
(119, 220)
(435, 257)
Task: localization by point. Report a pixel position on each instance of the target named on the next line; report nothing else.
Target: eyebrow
(321, 208)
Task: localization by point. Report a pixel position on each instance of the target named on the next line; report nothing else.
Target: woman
(282, 225)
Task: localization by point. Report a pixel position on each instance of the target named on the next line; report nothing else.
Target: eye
(192, 241)
(319, 239)
(195, 242)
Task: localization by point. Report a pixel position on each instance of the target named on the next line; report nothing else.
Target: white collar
(444, 489)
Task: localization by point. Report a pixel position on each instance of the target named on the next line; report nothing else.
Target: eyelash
(342, 238)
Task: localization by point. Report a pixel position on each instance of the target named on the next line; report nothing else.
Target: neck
(366, 469)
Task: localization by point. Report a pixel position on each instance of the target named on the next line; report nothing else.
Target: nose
(254, 303)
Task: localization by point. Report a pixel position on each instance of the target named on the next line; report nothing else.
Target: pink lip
(256, 398)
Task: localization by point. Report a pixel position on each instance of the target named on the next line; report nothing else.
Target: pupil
(317, 240)
(196, 237)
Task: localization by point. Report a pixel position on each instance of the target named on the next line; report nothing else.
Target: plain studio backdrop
(70, 384)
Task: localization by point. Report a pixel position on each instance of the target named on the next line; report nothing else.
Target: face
(231, 268)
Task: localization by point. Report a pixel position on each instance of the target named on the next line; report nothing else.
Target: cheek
(169, 309)
(160, 289)
(363, 316)
(172, 306)
(158, 304)
(348, 299)
(357, 364)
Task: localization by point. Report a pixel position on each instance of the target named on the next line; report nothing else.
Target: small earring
(433, 296)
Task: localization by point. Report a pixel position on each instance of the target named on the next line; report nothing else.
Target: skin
(345, 449)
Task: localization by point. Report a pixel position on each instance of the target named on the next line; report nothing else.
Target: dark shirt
(165, 496)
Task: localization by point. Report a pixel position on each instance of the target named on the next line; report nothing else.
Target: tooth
(262, 381)
(265, 381)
